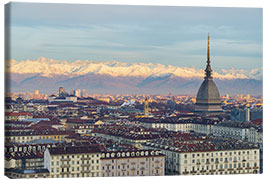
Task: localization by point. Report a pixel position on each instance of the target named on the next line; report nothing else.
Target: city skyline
(147, 34)
(110, 91)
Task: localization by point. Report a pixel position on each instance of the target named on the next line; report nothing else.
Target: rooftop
(74, 150)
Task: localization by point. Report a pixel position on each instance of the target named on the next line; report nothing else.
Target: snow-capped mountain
(50, 67)
(117, 77)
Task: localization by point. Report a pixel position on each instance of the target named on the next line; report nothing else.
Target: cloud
(170, 35)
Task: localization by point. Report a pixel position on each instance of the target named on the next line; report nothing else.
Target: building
(83, 93)
(77, 93)
(184, 125)
(132, 163)
(18, 116)
(238, 130)
(29, 136)
(146, 107)
(126, 134)
(240, 115)
(246, 114)
(203, 157)
(256, 113)
(65, 99)
(21, 160)
(62, 92)
(208, 97)
(63, 162)
(27, 173)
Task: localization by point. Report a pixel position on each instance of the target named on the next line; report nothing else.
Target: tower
(146, 107)
(208, 97)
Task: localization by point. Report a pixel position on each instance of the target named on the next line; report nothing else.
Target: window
(255, 164)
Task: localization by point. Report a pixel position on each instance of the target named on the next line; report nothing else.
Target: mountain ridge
(115, 77)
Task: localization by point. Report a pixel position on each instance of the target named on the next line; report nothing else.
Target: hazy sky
(166, 35)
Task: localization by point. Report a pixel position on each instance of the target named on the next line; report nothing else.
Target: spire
(208, 51)
(208, 70)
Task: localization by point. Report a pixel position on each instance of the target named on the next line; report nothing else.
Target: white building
(132, 163)
(208, 160)
(63, 162)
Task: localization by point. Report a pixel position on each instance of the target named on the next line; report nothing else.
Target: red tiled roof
(257, 121)
(76, 121)
(18, 114)
(18, 122)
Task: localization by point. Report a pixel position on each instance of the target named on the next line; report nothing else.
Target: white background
(212, 3)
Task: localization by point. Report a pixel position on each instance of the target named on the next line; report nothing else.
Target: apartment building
(27, 173)
(18, 116)
(21, 160)
(28, 136)
(203, 158)
(228, 129)
(63, 162)
(132, 163)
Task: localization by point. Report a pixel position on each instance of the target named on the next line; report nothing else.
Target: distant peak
(49, 67)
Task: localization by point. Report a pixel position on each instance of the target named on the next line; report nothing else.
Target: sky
(158, 34)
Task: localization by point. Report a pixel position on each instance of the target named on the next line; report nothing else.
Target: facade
(24, 161)
(132, 163)
(237, 131)
(18, 116)
(241, 115)
(208, 160)
(25, 137)
(208, 97)
(228, 129)
(63, 162)
(27, 173)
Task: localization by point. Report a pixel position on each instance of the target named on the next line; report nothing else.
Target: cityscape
(67, 129)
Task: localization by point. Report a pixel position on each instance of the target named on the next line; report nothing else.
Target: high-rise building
(61, 92)
(77, 92)
(208, 97)
(83, 94)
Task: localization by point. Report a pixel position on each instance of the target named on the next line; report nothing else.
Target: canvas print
(123, 90)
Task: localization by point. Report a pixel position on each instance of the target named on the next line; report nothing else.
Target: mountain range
(118, 77)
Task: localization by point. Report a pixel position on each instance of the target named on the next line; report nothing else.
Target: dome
(208, 92)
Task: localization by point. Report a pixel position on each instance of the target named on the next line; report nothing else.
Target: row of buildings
(229, 129)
